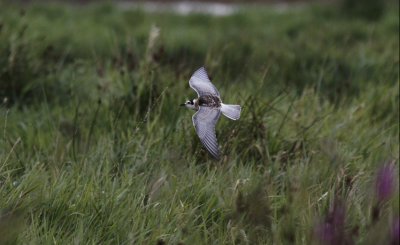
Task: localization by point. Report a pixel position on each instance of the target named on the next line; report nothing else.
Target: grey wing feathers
(204, 122)
(202, 84)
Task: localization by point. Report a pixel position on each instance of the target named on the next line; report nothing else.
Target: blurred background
(95, 149)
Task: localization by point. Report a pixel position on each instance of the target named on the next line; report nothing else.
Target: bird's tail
(231, 111)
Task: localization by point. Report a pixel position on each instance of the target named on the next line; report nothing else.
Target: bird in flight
(208, 106)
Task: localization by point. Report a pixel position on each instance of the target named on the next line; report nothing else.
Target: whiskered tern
(208, 106)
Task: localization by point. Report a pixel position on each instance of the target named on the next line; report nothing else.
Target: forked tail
(231, 111)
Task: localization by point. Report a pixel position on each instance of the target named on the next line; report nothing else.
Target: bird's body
(208, 106)
(209, 101)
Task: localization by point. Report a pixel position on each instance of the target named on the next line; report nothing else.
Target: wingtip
(215, 157)
(200, 73)
(201, 69)
(214, 154)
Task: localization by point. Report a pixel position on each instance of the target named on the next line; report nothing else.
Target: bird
(209, 107)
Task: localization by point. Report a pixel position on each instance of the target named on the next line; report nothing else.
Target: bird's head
(190, 104)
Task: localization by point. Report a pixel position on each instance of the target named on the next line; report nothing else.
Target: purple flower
(395, 231)
(385, 181)
(331, 229)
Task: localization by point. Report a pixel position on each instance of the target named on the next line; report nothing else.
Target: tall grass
(94, 148)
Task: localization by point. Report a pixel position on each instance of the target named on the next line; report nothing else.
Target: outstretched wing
(202, 84)
(204, 122)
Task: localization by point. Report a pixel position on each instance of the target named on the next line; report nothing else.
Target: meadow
(95, 149)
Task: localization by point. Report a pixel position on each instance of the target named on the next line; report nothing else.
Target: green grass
(94, 148)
